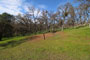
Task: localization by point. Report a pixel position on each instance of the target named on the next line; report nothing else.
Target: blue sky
(21, 6)
(49, 4)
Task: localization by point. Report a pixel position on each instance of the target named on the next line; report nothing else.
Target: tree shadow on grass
(14, 43)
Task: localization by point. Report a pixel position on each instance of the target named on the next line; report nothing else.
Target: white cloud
(11, 6)
(36, 10)
(42, 6)
(26, 7)
(17, 6)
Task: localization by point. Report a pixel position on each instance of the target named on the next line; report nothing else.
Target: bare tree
(45, 21)
(34, 13)
(64, 13)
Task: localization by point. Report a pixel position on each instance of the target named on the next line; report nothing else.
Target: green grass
(72, 44)
(11, 41)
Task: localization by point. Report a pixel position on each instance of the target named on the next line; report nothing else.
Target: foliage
(6, 29)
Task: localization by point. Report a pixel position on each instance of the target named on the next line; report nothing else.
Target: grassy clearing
(72, 44)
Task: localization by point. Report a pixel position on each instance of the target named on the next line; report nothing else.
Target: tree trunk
(62, 27)
(44, 36)
(89, 25)
(0, 37)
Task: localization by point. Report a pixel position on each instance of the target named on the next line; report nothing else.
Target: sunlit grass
(72, 44)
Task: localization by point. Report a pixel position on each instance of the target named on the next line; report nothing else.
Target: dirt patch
(40, 36)
(47, 35)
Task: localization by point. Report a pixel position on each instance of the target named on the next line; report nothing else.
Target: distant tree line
(66, 16)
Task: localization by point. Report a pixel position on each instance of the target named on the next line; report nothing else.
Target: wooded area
(44, 21)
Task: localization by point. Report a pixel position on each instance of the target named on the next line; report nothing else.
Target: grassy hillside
(71, 44)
